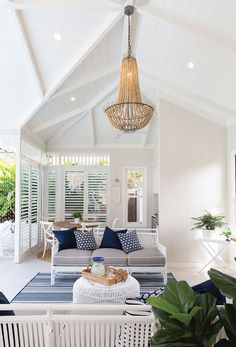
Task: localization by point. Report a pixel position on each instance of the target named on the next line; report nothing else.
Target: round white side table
(89, 292)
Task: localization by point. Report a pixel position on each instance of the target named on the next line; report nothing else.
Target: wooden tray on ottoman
(120, 275)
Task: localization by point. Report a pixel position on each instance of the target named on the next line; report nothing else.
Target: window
(135, 197)
(97, 194)
(85, 191)
(74, 192)
(51, 181)
(77, 183)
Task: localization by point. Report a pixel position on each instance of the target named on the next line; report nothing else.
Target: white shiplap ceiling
(40, 75)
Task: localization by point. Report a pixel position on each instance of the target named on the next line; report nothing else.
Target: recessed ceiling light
(191, 65)
(73, 98)
(57, 37)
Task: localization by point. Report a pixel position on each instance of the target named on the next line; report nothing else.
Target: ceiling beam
(103, 94)
(60, 119)
(81, 4)
(28, 52)
(83, 52)
(66, 128)
(65, 117)
(159, 14)
(218, 113)
(86, 80)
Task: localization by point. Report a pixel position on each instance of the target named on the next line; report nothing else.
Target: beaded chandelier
(129, 113)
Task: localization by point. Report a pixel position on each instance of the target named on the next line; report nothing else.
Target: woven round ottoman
(89, 292)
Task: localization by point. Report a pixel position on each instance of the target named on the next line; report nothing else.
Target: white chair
(46, 228)
(115, 221)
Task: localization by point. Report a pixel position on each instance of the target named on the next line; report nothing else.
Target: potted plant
(186, 318)
(78, 216)
(227, 233)
(208, 223)
(193, 320)
(227, 314)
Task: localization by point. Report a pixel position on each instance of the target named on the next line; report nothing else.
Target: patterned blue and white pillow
(131, 334)
(129, 241)
(85, 240)
(153, 294)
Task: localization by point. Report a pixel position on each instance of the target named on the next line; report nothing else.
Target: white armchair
(46, 228)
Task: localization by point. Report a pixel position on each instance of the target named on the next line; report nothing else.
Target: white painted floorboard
(13, 277)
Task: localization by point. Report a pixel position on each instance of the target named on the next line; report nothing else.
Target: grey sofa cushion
(111, 256)
(72, 257)
(146, 257)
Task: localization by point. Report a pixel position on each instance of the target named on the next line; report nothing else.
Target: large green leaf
(186, 318)
(180, 295)
(228, 317)
(163, 305)
(168, 338)
(225, 283)
(209, 310)
(166, 321)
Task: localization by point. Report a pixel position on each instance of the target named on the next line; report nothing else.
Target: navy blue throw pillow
(209, 287)
(3, 300)
(110, 239)
(66, 238)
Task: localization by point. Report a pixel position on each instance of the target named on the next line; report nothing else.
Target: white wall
(231, 152)
(192, 178)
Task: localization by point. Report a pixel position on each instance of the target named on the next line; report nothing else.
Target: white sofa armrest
(161, 248)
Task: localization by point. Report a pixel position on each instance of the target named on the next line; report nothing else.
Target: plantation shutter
(35, 206)
(25, 193)
(97, 194)
(74, 198)
(30, 205)
(51, 194)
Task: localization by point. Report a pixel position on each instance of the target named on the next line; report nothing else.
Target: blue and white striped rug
(39, 289)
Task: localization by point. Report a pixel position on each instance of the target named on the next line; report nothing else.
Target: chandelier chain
(129, 44)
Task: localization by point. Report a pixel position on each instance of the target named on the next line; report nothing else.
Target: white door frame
(125, 210)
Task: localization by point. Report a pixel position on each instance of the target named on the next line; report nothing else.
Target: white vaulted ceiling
(39, 75)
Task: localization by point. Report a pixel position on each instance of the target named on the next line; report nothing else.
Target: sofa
(150, 259)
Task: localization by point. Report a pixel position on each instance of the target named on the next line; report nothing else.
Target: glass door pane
(135, 196)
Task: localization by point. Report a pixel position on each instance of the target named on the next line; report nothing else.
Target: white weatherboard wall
(231, 152)
(192, 178)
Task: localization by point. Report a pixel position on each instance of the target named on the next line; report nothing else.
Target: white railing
(47, 325)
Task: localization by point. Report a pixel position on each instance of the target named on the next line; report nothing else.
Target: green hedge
(7, 189)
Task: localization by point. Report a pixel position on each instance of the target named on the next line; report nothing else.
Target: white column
(18, 201)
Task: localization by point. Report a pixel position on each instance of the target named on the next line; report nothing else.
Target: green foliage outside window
(7, 189)
(135, 179)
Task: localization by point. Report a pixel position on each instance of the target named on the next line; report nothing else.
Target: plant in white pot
(208, 223)
(78, 216)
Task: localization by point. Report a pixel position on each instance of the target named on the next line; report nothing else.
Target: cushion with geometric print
(129, 241)
(85, 240)
(132, 334)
